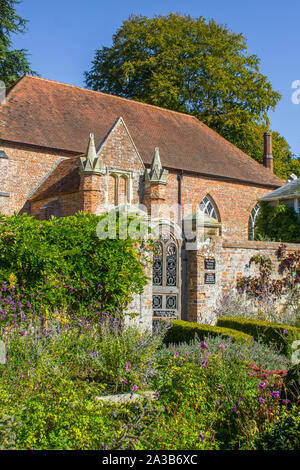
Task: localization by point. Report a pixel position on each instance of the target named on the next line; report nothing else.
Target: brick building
(137, 154)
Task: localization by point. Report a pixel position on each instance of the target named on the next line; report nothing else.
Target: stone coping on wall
(260, 245)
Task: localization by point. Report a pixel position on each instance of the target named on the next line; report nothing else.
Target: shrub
(264, 356)
(279, 223)
(62, 264)
(183, 331)
(216, 405)
(291, 385)
(103, 354)
(269, 333)
(282, 434)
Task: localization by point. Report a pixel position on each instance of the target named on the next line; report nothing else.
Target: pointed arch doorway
(166, 279)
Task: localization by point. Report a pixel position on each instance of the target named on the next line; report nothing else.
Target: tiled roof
(289, 191)
(64, 178)
(49, 114)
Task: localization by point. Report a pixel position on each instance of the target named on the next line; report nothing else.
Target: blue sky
(62, 36)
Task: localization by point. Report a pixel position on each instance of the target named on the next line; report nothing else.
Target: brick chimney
(268, 157)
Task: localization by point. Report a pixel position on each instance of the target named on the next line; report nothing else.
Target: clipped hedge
(184, 331)
(265, 331)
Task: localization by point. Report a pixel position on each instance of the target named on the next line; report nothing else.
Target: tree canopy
(193, 66)
(13, 63)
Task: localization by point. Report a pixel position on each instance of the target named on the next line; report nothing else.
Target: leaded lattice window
(165, 300)
(208, 207)
(252, 221)
(158, 264)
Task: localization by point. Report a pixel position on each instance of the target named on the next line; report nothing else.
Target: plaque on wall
(210, 278)
(210, 263)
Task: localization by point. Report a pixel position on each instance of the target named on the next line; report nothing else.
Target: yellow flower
(12, 278)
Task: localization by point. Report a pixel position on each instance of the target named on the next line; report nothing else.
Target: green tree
(13, 63)
(194, 66)
(284, 163)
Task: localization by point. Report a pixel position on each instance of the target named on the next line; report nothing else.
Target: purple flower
(262, 385)
(201, 436)
(127, 367)
(203, 345)
(275, 394)
(22, 333)
(261, 400)
(234, 409)
(124, 381)
(222, 346)
(286, 332)
(176, 354)
(204, 363)
(134, 388)
(286, 401)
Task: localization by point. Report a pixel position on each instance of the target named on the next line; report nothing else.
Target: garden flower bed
(208, 396)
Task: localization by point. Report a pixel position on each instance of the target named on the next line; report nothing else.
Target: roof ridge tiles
(181, 113)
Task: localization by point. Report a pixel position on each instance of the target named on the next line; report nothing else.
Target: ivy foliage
(65, 261)
(277, 223)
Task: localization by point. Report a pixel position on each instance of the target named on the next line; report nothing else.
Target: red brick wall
(234, 201)
(22, 172)
(232, 262)
(118, 152)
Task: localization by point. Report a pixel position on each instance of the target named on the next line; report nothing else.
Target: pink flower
(201, 436)
(127, 367)
(176, 354)
(124, 381)
(134, 388)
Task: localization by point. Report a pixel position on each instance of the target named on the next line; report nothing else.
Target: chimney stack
(268, 157)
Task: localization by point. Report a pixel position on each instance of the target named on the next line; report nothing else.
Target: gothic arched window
(122, 190)
(252, 220)
(112, 190)
(208, 207)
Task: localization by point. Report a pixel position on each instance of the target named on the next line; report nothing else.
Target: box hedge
(183, 331)
(275, 333)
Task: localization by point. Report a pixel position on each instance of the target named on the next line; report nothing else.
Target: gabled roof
(45, 113)
(63, 178)
(289, 191)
